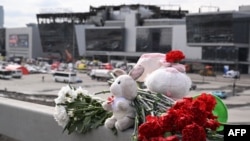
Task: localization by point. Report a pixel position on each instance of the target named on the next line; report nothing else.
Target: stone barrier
(25, 121)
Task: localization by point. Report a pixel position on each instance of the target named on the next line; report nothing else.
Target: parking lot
(34, 84)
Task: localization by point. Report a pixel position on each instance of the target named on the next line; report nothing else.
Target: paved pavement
(239, 106)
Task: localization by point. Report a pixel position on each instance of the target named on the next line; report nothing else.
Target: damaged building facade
(114, 32)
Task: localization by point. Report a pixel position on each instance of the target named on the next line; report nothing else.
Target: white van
(5, 74)
(17, 73)
(65, 76)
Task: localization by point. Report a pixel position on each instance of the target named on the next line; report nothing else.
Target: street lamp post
(236, 68)
(234, 85)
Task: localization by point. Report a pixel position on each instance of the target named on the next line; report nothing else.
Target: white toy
(171, 78)
(150, 62)
(124, 91)
(169, 81)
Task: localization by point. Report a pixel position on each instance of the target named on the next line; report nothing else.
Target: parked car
(17, 73)
(100, 74)
(232, 74)
(219, 93)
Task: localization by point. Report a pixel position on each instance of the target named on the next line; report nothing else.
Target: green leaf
(80, 126)
(91, 113)
(100, 121)
(87, 120)
(67, 126)
(72, 128)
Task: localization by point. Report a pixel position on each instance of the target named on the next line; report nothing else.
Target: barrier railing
(26, 121)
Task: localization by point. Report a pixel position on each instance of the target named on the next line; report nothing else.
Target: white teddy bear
(124, 91)
(169, 81)
(163, 74)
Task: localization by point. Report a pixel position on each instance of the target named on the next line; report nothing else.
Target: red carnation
(207, 98)
(150, 128)
(183, 103)
(212, 124)
(168, 119)
(183, 120)
(174, 56)
(193, 132)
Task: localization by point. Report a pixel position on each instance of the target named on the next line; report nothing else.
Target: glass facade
(105, 39)
(212, 28)
(220, 53)
(225, 54)
(58, 38)
(241, 28)
(2, 42)
(154, 40)
(229, 28)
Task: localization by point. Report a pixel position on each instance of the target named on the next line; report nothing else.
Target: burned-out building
(113, 32)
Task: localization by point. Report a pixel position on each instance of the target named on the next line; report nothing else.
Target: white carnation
(61, 116)
(82, 91)
(71, 113)
(65, 94)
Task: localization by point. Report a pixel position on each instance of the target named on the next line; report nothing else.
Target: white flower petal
(61, 116)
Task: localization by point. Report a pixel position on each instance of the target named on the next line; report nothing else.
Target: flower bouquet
(188, 119)
(76, 110)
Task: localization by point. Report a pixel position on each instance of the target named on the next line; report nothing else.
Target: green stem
(156, 97)
(102, 92)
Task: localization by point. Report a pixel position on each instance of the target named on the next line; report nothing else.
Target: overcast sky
(17, 13)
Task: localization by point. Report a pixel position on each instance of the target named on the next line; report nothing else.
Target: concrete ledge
(26, 121)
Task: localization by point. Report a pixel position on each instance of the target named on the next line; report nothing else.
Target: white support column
(130, 33)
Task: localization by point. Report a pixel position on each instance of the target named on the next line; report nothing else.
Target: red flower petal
(193, 132)
(174, 56)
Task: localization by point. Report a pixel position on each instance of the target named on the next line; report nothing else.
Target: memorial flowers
(189, 118)
(76, 110)
(156, 116)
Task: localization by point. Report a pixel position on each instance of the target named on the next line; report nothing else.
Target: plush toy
(150, 62)
(169, 81)
(171, 78)
(124, 91)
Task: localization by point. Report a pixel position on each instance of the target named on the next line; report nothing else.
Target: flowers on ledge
(76, 110)
(156, 117)
(189, 118)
